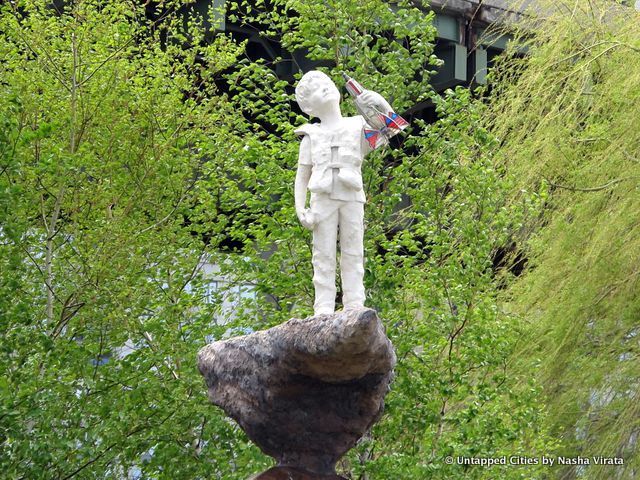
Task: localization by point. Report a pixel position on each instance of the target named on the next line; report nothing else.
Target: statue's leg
(352, 254)
(324, 256)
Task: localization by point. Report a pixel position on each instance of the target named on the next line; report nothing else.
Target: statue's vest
(336, 157)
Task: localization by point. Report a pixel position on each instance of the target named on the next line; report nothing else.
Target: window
(210, 290)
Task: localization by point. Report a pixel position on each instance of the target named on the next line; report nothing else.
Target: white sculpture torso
(336, 159)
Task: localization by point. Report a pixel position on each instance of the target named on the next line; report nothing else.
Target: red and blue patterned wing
(372, 136)
(393, 120)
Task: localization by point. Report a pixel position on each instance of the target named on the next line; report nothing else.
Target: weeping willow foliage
(568, 117)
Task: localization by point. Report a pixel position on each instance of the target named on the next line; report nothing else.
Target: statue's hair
(305, 88)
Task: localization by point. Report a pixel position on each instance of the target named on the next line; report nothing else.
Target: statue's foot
(353, 306)
(323, 311)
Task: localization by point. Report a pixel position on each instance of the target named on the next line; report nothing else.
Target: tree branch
(590, 189)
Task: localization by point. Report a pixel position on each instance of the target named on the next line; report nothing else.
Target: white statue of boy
(331, 154)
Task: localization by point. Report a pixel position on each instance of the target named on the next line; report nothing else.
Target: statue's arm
(303, 175)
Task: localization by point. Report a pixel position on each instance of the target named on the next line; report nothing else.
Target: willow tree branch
(590, 189)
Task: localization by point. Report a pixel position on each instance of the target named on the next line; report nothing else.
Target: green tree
(435, 217)
(108, 113)
(567, 118)
(123, 167)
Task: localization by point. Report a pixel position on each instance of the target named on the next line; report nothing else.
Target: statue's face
(323, 94)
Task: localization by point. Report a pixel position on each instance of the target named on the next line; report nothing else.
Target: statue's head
(315, 91)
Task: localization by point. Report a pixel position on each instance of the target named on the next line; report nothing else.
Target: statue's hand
(369, 97)
(306, 218)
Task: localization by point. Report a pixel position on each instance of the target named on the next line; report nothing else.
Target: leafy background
(136, 143)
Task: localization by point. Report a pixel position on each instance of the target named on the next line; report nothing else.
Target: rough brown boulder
(304, 391)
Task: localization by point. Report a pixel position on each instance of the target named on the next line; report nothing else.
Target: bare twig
(590, 189)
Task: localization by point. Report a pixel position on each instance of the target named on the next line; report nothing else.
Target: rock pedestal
(288, 473)
(304, 391)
